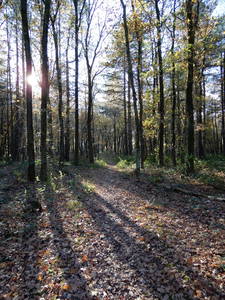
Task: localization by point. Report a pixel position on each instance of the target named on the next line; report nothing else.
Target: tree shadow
(31, 244)
(200, 211)
(67, 256)
(148, 256)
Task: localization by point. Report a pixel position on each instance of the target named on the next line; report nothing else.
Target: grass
(88, 187)
(74, 205)
(126, 162)
(99, 163)
(210, 171)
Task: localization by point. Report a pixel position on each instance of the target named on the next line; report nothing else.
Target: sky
(220, 9)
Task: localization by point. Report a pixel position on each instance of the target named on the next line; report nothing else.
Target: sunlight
(32, 80)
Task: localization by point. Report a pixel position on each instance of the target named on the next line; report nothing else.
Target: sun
(31, 80)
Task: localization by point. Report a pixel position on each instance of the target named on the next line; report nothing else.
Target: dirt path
(103, 235)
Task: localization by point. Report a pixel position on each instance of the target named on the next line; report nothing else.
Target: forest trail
(104, 235)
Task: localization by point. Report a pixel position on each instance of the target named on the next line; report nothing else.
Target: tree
(44, 89)
(192, 11)
(91, 52)
(78, 17)
(30, 135)
(161, 86)
(59, 84)
(131, 80)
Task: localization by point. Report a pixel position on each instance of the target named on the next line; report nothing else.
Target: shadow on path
(155, 262)
(67, 257)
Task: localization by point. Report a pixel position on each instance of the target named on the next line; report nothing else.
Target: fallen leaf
(84, 258)
(66, 287)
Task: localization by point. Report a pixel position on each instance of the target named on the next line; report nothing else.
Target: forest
(112, 149)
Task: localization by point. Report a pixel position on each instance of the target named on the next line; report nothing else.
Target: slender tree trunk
(201, 153)
(15, 132)
(9, 93)
(50, 128)
(44, 90)
(114, 135)
(23, 105)
(204, 112)
(222, 76)
(216, 145)
(129, 120)
(125, 111)
(30, 134)
(60, 94)
(90, 118)
(67, 136)
(174, 97)
(140, 97)
(161, 87)
(138, 34)
(189, 88)
(76, 150)
(131, 79)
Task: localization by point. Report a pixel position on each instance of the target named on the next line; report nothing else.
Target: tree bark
(44, 90)
(76, 150)
(131, 79)
(222, 76)
(15, 132)
(189, 89)
(201, 152)
(139, 39)
(90, 118)
(67, 127)
(60, 93)
(161, 87)
(30, 134)
(129, 120)
(125, 110)
(174, 96)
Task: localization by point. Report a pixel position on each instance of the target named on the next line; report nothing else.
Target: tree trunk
(76, 150)
(125, 111)
(174, 97)
(114, 135)
(222, 76)
(9, 94)
(138, 34)
(15, 132)
(131, 79)
(44, 90)
(129, 120)
(201, 153)
(90, 118)
(67, 135)
(59, 85)
(50, 128)
(161, 87)
(30, 135)
(189, 88)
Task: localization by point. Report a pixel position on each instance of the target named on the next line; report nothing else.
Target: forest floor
(103, 234)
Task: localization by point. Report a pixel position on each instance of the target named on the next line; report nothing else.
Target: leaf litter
(111, 238)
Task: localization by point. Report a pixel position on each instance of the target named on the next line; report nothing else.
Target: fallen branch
(176, 188)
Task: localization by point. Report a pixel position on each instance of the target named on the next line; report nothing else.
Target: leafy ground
(101, 234)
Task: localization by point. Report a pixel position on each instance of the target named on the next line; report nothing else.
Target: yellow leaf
(66, 287)
(40, 277)
(43, 252)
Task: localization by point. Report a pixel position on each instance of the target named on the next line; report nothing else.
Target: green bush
(125, 162)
